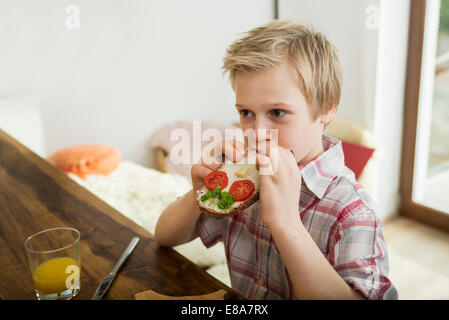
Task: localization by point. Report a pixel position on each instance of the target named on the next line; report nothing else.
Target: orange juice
(51, 276)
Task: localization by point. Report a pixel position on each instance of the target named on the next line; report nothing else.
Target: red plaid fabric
(338, 214)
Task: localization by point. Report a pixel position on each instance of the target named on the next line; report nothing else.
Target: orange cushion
(90, 159)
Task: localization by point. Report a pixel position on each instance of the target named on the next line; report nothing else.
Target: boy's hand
(209, 162)
(280, 185)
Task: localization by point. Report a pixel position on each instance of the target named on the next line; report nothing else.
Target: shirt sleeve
(359, 254)
(210, 229)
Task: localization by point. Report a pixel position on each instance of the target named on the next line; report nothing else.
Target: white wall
(389, 108)
(131, 67)
(20, 117)
(374, 66)
(344, 23)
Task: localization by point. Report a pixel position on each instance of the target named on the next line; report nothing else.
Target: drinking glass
(54, 259)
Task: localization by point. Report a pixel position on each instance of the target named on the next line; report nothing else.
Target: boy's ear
(327, 117)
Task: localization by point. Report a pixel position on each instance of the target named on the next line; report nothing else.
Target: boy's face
(271, 99)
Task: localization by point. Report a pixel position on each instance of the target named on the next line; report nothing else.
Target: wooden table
(34, 195)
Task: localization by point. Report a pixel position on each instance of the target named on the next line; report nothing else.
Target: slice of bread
(250, 172)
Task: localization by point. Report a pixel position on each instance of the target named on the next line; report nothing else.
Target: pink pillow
(87, 159)
(356, 157)
(161, 138)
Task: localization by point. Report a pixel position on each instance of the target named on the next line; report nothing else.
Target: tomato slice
(216, 179)
(242, 190)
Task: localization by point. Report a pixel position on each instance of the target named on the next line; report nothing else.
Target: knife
(107, 280)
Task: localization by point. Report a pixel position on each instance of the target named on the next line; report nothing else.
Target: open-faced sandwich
(230, 189)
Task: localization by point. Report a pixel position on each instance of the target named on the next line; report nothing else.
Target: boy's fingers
(266, 147)
(287, 155)
(212, 166)
(211, 154)
(240, 146)
(263, 148)
(263, 164)
(232, 151)
(250, 139)
(262, 161)
(201, 170)
(210, 162)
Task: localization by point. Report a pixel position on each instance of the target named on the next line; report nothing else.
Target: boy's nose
(262, 134)
(262, 131)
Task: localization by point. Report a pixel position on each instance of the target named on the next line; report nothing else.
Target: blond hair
(315, 59)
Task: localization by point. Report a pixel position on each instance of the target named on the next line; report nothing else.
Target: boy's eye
(246, 113)
(277, 113)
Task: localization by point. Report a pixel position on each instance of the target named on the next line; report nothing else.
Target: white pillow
(142, 194)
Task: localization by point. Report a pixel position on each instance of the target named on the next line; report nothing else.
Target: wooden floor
(419, 259)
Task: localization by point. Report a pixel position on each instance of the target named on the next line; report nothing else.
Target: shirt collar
(317, 174)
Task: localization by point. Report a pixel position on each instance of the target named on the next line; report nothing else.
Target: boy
(314, 233)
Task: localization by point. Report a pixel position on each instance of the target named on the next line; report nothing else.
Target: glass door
(431, 172)
(436, 185)
(425, 158)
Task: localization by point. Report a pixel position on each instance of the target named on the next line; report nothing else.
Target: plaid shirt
(338, 214)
